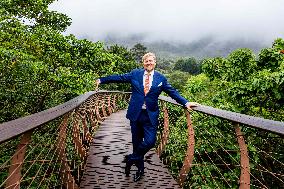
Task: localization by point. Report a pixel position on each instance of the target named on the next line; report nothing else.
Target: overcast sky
(175, 20)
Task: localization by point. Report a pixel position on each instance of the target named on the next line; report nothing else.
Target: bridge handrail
(85, 112)
(21, 125)
(11, 129)
(251, 121)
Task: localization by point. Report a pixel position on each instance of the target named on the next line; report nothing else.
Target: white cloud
(180, 20)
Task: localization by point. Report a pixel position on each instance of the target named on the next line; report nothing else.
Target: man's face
(149, 63)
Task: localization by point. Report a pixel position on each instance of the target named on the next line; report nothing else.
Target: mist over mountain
(201, 48)
(187, 28)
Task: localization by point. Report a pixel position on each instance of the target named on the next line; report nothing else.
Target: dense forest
(243, 82)
(40, 68)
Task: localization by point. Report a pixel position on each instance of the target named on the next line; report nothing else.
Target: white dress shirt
(150, 83)
(150, 78)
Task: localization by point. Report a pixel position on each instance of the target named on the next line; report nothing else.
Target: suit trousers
(143, 136)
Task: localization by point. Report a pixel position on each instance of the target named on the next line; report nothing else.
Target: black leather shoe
(138, 175)
(128, 165)
(127, 169)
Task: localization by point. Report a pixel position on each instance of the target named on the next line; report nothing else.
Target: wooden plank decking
(105, 163)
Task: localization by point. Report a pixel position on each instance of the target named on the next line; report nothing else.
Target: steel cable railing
(208, 147)
(226, 153)
(216, 133)
(50, 154)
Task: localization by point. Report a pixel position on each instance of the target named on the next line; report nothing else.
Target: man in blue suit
(143, 110)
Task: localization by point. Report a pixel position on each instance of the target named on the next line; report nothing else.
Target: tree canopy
(40, 67)
(253, 84)
(189, 65)
(138, 50)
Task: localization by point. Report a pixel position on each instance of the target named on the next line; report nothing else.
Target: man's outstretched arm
(172, 92)
(124, 78)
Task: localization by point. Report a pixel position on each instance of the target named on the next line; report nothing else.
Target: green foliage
(36, 13)
(204, 91)
(240, 83)
(271, 58)
(254, 86)
(177, 79)
(213, 67)
(138, 50)
(215, 154)
(239, 65)
(40, 67)
(123, 59)
(164, 65)
(189, 65)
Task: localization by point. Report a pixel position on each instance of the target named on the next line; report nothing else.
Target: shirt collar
(151, 73)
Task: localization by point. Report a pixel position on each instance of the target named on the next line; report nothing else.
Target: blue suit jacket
(159, 84)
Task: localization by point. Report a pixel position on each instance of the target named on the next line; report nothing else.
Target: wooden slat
(105, 164)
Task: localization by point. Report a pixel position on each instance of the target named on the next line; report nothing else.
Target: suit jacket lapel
(155, 81)
(140, 79)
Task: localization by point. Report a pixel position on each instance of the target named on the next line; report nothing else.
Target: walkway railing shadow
(207, 147)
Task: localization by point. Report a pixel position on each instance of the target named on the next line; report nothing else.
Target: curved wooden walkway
(105, 164)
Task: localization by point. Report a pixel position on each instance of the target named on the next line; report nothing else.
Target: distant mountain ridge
(202, 48)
